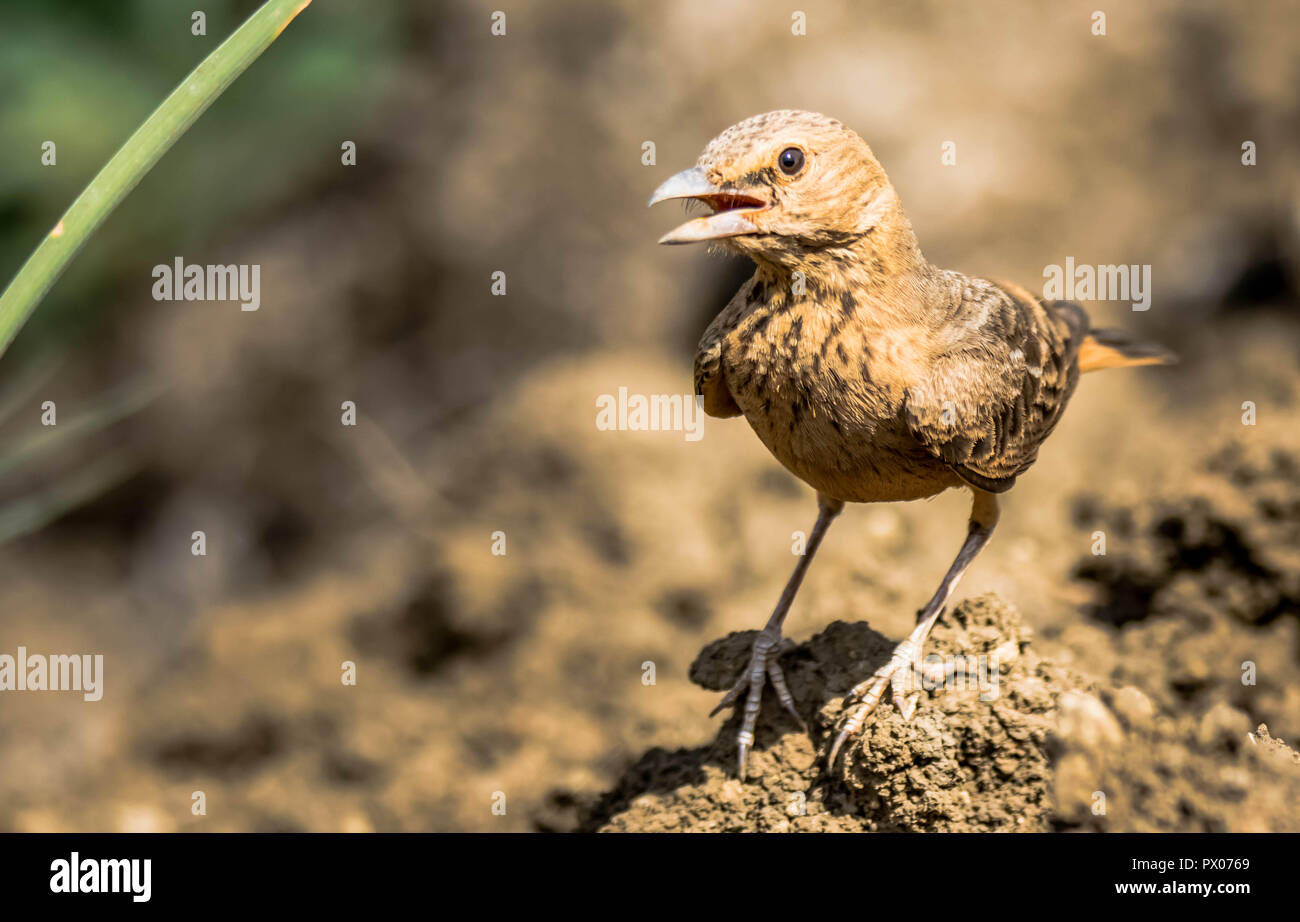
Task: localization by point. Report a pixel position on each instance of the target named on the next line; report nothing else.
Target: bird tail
(1112, 348)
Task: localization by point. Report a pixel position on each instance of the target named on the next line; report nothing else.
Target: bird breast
(823, 388)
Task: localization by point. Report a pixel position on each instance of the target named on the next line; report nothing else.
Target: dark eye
(791, 160)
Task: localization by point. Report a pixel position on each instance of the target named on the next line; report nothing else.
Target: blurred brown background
(523, 153)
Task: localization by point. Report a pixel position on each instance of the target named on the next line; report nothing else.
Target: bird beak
(731, 208)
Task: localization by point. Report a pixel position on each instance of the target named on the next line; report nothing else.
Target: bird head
(781, 185)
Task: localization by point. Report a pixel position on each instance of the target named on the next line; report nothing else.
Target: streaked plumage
(870, 374)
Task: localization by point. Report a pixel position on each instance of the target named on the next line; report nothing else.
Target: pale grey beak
(731, 208)
(690, 183)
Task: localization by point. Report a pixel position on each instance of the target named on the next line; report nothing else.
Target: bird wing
(1004, 371)
(710, 381)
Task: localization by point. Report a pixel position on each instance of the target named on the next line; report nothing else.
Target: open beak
(731, 208)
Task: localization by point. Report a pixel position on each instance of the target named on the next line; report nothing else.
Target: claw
(835, 748)
(732, 696)
(762, 665)
(783, 693)
(851, 726)
(896, 673)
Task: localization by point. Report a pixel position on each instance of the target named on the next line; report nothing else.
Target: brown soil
(960, 764)
(524, 676)
(1162, 743)
(1047, 753)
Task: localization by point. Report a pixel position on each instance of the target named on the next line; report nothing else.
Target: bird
(869, 373)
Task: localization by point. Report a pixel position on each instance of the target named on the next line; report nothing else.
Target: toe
(783, 692)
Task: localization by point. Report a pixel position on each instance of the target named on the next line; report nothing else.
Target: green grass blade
(136, 157)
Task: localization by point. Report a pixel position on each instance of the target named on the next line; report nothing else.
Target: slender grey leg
(763, 660)
(984, 516)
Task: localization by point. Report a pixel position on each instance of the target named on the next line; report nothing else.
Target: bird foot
(902, 672)
(763, 665)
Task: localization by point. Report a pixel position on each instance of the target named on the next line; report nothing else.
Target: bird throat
(881, 257)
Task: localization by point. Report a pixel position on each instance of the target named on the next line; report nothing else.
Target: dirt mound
(960, 764)
(1024, 745)
(1143, 723)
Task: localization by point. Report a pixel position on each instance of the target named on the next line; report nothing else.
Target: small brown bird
(870, 374)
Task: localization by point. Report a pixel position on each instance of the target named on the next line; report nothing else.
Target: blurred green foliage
(84, 74)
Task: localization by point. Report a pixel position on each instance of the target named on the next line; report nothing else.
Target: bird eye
(791, 160)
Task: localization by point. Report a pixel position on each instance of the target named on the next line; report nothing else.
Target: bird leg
(983, 517)
(769, 645)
